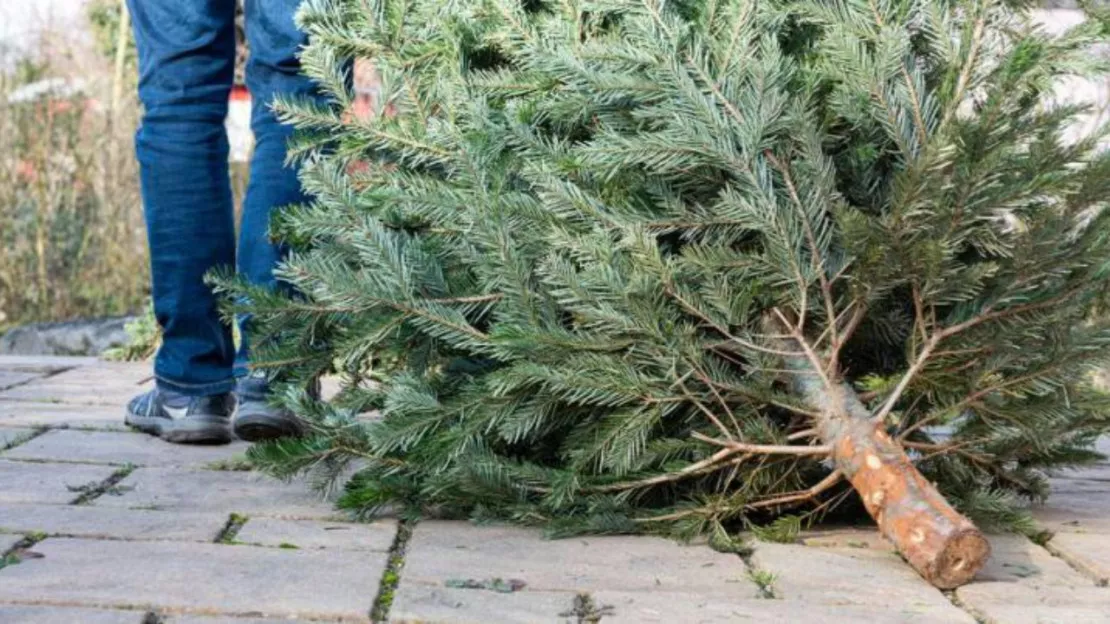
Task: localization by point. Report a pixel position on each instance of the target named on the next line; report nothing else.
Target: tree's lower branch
(766, 449)
(802, 496)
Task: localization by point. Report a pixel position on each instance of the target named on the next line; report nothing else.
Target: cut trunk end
(940, 543)
(960, 559)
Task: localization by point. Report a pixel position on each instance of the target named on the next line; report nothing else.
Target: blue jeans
(186, 65)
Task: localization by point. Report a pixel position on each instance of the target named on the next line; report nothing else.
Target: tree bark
(940, 543)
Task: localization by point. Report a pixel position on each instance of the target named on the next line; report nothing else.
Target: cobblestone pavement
(100, 525)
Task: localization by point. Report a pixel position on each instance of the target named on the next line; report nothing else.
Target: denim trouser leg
(273, 69)
(186, 64)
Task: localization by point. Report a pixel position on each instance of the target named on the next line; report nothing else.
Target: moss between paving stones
(391, 578)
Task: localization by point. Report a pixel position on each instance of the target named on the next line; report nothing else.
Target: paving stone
(12, 614)
(848, 576)
(117, 372)
(33, 482)
(1089, 553)
(436, 605)
(8, 541)
(54, 390)
(211, 578)
(1071, 487)
(1014, 603)
(668, 608)
(443, 551)
(1081, 496)
(113, 523)
(218, 619)
(120, 448)
(424, 604)
(173, 489)
(60, 415)
(103, 384)
(377, 535)
(12, 436)
(1023, 583)
(44, 363)
(1015, 559)
(868, 538)
(1093, 472)
(1063, 520)
(10, 379)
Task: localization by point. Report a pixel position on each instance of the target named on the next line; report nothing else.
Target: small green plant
(21, 551)
(390, 579)
(765, 581)
(235, 523)
(1041, 538)
(110, 486)
(143, 338)
(18, 555)
(288, 546)
(392, 576)
(239, 463)
(8, 560)
(587, 611)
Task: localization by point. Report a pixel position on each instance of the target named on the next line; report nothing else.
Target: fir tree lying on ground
(681, 266)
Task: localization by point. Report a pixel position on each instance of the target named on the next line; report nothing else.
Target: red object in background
(365, 81)
(26, 171)
(238, 124)
(365, 85)
(60, 106)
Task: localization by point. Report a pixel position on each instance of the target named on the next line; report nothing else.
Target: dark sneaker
(255, 418)
(179, 418)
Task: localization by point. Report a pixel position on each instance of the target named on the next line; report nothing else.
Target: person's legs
(186, 62)
(272, 70)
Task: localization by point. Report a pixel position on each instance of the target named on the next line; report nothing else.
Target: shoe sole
(192, 430)
(260, 426)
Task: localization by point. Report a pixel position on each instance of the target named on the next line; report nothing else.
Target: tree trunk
(941, 544)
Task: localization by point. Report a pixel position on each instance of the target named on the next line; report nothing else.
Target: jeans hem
(208, 389)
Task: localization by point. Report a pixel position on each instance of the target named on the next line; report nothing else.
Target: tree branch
(940, 335)
(693, 310)
(810, 355)
(815, 256)
(800, 496)
(764, 449)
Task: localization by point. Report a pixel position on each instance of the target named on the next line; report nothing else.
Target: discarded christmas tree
(679, 267)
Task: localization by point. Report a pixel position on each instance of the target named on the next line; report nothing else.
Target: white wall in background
(1073, 90)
